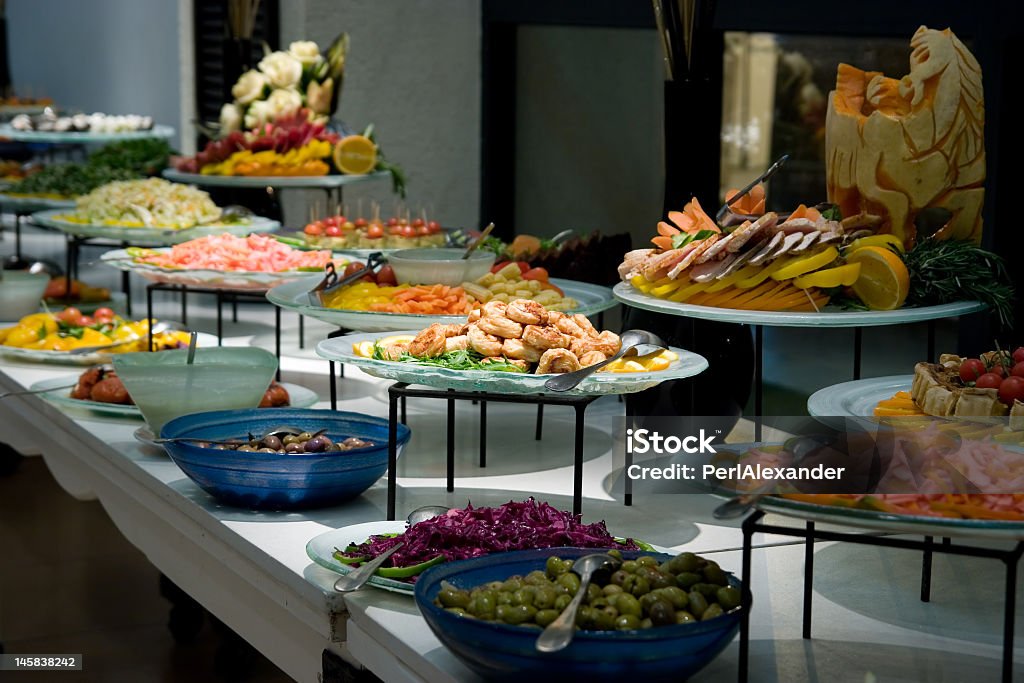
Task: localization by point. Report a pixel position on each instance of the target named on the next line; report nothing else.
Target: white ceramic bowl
(439, 266)
(20, 293)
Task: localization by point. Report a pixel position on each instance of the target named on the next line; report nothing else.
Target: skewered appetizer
(520, 336)
(70, 329)
(339, 232)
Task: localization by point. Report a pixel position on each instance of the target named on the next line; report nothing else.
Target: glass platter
(218, 279)
(65, 357)
(26, 203)
(855, 399)
(6, 131)
(601, 383)
(58, 392)
(294, 296)
(325, 182)
(830, 317)
(321, 548)
(52, 219)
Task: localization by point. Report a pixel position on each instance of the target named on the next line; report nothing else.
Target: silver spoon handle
(28, 392)
(355, 580)
(571, 380)
(559, 632)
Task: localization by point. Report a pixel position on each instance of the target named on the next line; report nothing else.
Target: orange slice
(355, 155)
(884, 281)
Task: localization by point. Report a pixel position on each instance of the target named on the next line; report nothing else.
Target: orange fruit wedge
(355, 155)
(884, 281)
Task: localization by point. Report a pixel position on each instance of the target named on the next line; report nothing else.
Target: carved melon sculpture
(896, 147)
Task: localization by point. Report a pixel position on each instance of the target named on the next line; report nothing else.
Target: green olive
(586, 617)
(687, 580)
(698, 603)
(593, 592)
(646, 624)
(715, 574)
(616, 553)
(485, 606)
(627, 622)
(535, 578)
(675, 595)
(684, 562)
(647, 601)
(546, 616)
(503, 598)
(512, 585)
(451, 597)
(714, 610)
(544, 597)
(626, 603)
(290, 439)
(629, 566)
(457, 610)
(515, 614)
(728, 597)
(523, 596)
(637, 585)
(619, 577)
(554, 567)
(570, 581)
(472, 607)
(493, 586)
(660, 580)
(708, 590)
(600, 603)
(605, 618)
(611, 589)
(304, 436)
(662, 613)
(647, 561)
(562, 601)
(684, 617)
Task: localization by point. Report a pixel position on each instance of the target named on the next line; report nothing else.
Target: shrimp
(558, 361)
(493, 308)
(459, 343)
(544, 337)
(396, 351)
(584, 322)
(591, 358)
(566, 325)
(500, 327)
(483, 343)
(527, 312)
(515, 349)
(454, 330)
(474, 315)
(429, 343)
(607, 343)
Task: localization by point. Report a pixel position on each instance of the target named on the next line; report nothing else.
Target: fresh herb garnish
(451, 360)
(832, 213)
(682, 239)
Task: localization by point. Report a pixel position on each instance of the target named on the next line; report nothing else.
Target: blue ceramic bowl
(502, 652)
(281, 481)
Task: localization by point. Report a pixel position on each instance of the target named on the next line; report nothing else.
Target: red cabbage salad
(472, 532)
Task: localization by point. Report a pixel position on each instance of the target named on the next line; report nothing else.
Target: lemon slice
(877, 241)
(355, 155)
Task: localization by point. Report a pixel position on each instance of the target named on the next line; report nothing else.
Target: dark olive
(318, 444)
(698, 603)
(272, 442)
(662, 613)
(293, 448)
(715, 574)
(686, 580)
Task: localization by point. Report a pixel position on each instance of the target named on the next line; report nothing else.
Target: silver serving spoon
(479, 240)
(162, 326)
(559, 633)
(634, 343)
(357, 578)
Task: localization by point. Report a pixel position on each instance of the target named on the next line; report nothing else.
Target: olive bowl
(502, 652)
(281, 481)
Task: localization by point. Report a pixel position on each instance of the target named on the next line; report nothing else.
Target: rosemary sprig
(942, 271)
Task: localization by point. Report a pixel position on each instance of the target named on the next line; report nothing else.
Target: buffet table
(251, 571)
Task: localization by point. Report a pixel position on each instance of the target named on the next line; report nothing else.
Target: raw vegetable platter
(59, 393)
(340, 349)
(221, 279)
(66, 357)
(149, 235)
(312, 181)
(827, 317)
(294, 296)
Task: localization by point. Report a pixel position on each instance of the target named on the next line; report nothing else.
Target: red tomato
(536, 274)
(332, 231)
(103, 312)
(1018, 354)
(375, 232)
(498, 266)
(1018, 369)
(971, 369)
(386, 276)
(523, 266)
(353, 267)
(1011, 389)
(989, 380)
(408, 231)
(393, 221)
(313, 229)
(69, 315)
(422, 230)
(998, 369)
(340, 220)
(418, 222)
(434, 226)
(84, 321)
(360, 222)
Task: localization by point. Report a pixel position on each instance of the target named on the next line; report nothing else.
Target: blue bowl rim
(403, 432)
(673, 632)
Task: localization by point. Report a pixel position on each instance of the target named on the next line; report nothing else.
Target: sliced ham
(763, 256)
(659, 265)
(797, 225)
(716, 249)
(706, 272)
(809, 239)
(745, 233)
(633, 261)
(688, 260)
(740, 261)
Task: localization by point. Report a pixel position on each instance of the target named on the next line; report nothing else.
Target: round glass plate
(313, 181)
(27, 203)
(165, 132)
(217, 279)
(294, 296)
(58, 390)
(855, 399)
(52, 219)
(829, 317)
(65, 357)
(894, 523)
(601, 383)
(118, 302)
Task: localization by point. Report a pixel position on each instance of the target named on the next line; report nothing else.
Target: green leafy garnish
(451, 360)
(832, 213)
(682, 239)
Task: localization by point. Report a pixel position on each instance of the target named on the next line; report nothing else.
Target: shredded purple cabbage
(472, 532)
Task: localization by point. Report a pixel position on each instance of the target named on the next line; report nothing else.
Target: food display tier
(322, 182)
(294, 296)
(6, 131)
(67, 358)
(829, 317)
(146, 235)
(340, 349)
(27, 204)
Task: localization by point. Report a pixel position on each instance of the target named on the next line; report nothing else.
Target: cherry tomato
(536, 274)
(393, 221)
(386, 276)
(360, 222)
(997, 369)
(434, 226)
(418, 222)
(408, 231)
(313, 229)
(1011, 389)
(332, 231)
(422, 230)
(103, 312)
(340, 220)
(1018, 354)
(69, 315)
(971, 369)
(403, 221)
(395, 229)
(353, 268)
(375, 232)
(348, 225)
(84, 321)
(1018, 369)
(989, 380)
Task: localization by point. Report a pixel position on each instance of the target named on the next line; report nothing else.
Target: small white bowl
(20, 293)
(439, 266)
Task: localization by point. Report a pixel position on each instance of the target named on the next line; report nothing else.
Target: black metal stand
(401, 390)
(810, 534)
(222, 295)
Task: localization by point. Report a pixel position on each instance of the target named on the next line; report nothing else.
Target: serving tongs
(331, 280)
(725, 216)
